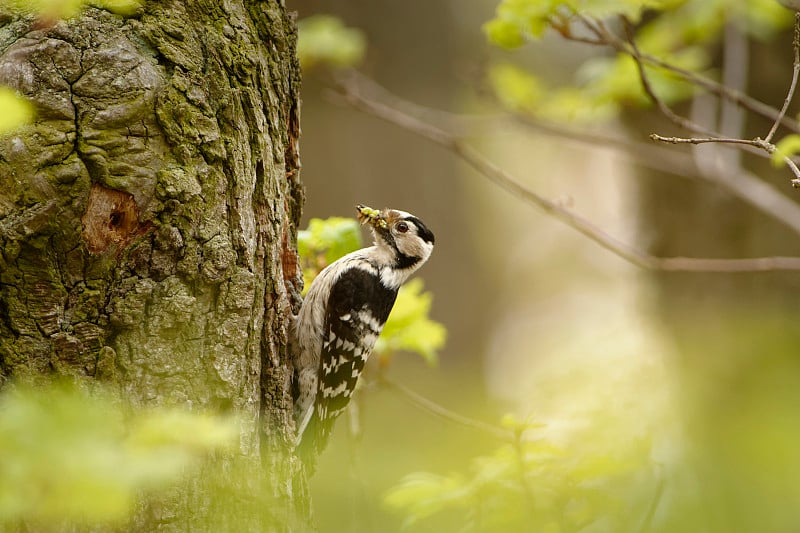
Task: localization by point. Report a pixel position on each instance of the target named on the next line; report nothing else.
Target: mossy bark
(148, 218)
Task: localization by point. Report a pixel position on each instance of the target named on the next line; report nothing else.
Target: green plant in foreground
(70, 456)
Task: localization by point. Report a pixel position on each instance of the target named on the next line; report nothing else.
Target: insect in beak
(374, 217)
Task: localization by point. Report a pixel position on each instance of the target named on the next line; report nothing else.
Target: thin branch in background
(731, 121)
(763, 144)
(759, 143)
(738, 182)
(721, 91)
(793, 84)
(445, 414)
(683, 122)
(352, 95)
(647, 523)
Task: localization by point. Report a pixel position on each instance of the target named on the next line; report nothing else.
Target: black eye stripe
(422, 230)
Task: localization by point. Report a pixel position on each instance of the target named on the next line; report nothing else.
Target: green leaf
(422, 494)
(126, 8)
(517, 89)
(786, 147)
(332, 237)
(504, 33)
(631, 9)
(15, 111)
(324, 39)
(519, 20)
(325, 241)
(409, 328)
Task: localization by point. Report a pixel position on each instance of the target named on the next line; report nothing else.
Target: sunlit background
(689, 379)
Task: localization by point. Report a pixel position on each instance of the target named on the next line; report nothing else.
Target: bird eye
(402, 227)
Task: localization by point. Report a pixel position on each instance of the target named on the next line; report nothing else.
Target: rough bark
(147, 219)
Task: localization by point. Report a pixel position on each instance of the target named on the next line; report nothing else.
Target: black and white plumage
(343, 314)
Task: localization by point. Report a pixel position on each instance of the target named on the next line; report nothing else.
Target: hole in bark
(116, 219)
(111, 217)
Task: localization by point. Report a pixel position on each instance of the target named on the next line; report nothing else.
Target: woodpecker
(343, 314)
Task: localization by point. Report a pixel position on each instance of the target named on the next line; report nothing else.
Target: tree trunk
(148, 218)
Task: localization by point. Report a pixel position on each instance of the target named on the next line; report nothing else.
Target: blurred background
(682, 387)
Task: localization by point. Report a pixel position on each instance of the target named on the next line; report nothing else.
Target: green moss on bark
(185, 121)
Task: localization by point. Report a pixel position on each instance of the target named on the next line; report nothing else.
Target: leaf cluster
(681, 33)
(529, 484)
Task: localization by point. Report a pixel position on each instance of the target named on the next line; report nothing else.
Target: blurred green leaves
(324, 39)
(64, 9)
(531, 484)
(681, 33)
(14, 110)
(75, 457)
(786, 147)
(409, 327)
(325, 241)
(519, 21)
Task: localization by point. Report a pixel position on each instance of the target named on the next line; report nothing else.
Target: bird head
(406, 237)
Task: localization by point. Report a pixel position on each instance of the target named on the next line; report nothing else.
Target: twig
(444, 413)
(648, 89)
(759, 143)
(721, 91)
(738, 182)
(504, 180)
(793, 84)
(731, 122)
(764, 144)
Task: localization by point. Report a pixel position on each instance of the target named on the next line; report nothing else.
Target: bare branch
(653, 507)
(738, 182)
(444, 413)
(351, 93)
(764, 144)
(793, 84)
(721, 91)
(662, 106)
(759, 143)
